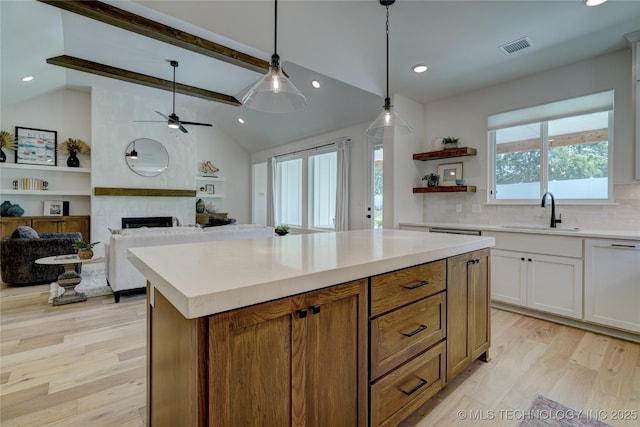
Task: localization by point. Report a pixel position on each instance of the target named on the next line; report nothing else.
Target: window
(316, 207)
(560, 149)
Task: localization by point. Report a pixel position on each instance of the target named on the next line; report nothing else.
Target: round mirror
(147, 157)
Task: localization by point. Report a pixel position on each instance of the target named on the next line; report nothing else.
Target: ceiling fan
(172, 120)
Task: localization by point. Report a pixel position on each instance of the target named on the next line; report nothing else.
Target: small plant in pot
(431, 180)
(281, 230)
(85, 250)
(450, 141)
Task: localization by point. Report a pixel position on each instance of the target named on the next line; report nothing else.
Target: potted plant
(431, 179)
(282, 230)
(450, 141)
(6, 141)
(72, 147)
(85, 250)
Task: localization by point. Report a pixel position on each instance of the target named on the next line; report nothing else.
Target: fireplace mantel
(142, 192)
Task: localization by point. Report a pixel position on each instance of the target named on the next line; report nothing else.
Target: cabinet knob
(302, 313)
(529, 260)
(315, 309)
(522, 258)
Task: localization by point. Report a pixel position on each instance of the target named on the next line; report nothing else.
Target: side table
(69, 279)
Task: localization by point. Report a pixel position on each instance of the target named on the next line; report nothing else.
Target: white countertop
(200, 279)
(590, 233)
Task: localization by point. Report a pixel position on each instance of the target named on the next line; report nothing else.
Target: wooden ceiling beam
(141, 79)
(138, 24)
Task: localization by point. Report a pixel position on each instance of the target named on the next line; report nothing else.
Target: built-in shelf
(6, 192)
(445, 154)
(43, 168)
(210, 196)
(210, 178)
(446, 189)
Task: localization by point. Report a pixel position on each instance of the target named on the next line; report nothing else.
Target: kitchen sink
(528, 227)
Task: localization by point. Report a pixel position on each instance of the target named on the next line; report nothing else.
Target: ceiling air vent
(517, 45)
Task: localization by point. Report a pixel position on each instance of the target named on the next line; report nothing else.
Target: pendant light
(274, 92)
(388, 119)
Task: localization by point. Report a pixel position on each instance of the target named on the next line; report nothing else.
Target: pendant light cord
(387, 51)
(275, 28)
(174, 86)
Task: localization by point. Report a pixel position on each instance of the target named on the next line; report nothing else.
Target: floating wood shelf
(445, 154)
(145, 192)
(447, 189)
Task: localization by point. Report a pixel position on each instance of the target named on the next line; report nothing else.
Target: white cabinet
(543, 273)
(612, 283)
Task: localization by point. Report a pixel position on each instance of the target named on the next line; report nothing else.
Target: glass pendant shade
(275, 93)
(387, 121)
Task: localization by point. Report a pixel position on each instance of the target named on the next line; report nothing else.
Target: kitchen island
(277, 331)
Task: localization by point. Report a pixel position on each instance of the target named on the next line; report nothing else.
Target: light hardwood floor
(84, 364)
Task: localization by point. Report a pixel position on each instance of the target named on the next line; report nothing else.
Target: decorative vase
(85, 253)
(72, 160)
(432, 183)
(200, 206)
(3, 157)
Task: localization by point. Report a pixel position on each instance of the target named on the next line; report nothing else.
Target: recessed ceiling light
(420, 68)
(27, 78)
(240, 119)
(595, 2)
(315, 84)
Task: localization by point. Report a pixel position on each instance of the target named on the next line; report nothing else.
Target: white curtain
(342, 185)
(271, 194)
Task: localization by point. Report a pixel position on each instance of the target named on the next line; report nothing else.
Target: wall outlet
(476, 208)
(459, 207)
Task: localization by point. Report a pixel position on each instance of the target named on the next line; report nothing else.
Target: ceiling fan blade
(165, 117)
(196, 124)
(149, 121)
(183, 129)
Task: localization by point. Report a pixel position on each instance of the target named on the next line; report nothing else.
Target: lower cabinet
(468, 311)
(290, 362)
(552, 284)
(49, 224)
(612, 283)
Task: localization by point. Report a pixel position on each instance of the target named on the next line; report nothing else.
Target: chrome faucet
(554, 221)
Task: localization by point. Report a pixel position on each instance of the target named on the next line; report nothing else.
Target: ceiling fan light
(134, 154)
(595, 2)
(173, 125)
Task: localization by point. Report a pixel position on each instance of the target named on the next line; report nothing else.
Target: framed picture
(449, 172)
(36, 146)
(210, 189)
(53, 207)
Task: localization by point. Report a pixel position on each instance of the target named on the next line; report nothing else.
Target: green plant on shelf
(450, 141)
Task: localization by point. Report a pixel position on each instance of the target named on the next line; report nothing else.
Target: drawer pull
(315, 309)
(422, 283)
(416, 388)
(412, 333)
(615, 245)
(302, 313)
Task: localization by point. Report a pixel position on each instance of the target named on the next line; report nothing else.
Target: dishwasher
(455, 231)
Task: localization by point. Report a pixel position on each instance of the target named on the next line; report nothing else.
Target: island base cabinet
(296, 361)
(468, 315)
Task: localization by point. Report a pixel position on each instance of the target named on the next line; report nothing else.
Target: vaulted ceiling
(339, 43)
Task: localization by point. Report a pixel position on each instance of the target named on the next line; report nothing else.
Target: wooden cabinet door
(479, 304)
(10, 224)
(47, 224)
(468, 315)
(334, 376)
(251, 365)
(77, 224)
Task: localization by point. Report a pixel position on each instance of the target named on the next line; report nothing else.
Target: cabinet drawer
(402, 391)
(402, 287)
(401, 334)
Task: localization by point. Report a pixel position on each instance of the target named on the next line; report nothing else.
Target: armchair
(18, 256)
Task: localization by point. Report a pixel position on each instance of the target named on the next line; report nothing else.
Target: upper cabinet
(634, 40)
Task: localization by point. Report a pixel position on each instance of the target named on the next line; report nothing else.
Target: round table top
(62, 259)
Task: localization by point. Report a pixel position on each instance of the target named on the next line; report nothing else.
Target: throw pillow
(24, 232)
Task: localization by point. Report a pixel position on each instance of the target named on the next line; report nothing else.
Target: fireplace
(148, 221)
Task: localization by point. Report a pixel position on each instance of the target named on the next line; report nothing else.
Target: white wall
(466, 116)
(360, 193)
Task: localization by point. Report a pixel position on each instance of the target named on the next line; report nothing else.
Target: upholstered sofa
(18, 256)
(123, 276)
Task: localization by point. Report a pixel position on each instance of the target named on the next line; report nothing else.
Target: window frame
(544, 160)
